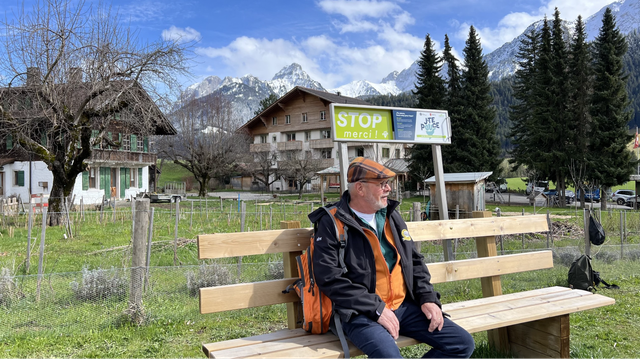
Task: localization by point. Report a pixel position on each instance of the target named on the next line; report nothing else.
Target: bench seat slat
(251, 340)
(214, 246)
(240, 296)
(524, 308)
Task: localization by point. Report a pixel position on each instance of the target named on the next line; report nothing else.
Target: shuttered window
(134, 143)
(19, 178)
(85, 180)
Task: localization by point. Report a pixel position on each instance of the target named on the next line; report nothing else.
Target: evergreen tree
(478, 147)
(579, 100)
(559, 144)
(430, 93)
(610, 162)
(525, 150)
(265, 103)
(453, 104)
(541, 99)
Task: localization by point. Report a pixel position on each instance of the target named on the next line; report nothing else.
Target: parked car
(569, 195)
(621, 196)
(539, 187)
(632, 202)
(590, 195)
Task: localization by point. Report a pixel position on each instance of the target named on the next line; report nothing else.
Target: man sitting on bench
(382, 289)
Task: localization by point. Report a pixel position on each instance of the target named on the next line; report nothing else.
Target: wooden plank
(520, 315)
(237, 296)
(540, 336)
(222, 245)
(507, 297)
(234, 343)
(263, 349)
(526, 353)
(485, 267)
(242, 296)
(294, 309)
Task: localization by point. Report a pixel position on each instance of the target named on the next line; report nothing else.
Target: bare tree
(70, 73)
(263, 168)
(207, 144)
(301, 167)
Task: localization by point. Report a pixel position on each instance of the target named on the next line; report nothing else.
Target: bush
(275, 270)
(100, 284)
(8, 289)
(207, 276)
(566, 256)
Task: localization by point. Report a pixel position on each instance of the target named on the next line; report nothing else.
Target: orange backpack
(317, 308)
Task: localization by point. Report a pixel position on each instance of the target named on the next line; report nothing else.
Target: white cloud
(514, 24)
(333, 62)
(182, 35)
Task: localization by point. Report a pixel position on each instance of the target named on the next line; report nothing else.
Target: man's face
(376, 193)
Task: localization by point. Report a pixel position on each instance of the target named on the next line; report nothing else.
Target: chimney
(33, 76)
(75, 75)
(338, 93)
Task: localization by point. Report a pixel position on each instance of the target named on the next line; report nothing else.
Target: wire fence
(85, 282)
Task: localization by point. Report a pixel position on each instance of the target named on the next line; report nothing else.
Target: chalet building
(299, 121)
(115, 173)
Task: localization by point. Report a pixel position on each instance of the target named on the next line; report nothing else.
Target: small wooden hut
(463, 189)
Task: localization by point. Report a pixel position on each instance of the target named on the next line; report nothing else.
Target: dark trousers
(375, 341)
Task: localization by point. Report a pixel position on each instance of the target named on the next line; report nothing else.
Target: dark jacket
(354, 292)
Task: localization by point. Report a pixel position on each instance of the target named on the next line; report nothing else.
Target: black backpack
(583, 277)
(596, 232)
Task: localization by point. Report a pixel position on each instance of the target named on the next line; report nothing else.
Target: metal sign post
(441, 196)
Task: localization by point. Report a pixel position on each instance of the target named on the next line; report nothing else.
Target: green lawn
(517, 184)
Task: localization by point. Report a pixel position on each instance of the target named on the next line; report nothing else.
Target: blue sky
(335, 41)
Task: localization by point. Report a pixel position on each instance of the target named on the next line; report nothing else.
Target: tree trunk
(603, 199)
(56, 208)
(203, 186)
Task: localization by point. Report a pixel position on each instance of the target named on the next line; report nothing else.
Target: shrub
(566, 256)
(207, 276)
(275, 270)
(606, 257)
(8, 289)
(100, 284)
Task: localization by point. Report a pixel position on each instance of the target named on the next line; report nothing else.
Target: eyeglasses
(381, 184)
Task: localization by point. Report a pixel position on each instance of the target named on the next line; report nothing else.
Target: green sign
(362, 124)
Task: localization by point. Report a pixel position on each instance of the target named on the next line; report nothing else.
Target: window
(360, 152)
(385, 152)
(140, 143)
(325, 134)
(263, 139)
(287, 119)
(274, 120)
(9, 141)
(132, 181)
(18, 179)
(126, 143)
(92, 178)
(274, 139)
(94, 135)
(307, 135)
(134, 143)
(326, 153)
(291, 137)
(304, 117)
(397, 153)
(323, 115)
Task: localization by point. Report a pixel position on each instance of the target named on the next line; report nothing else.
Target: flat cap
(366, 169)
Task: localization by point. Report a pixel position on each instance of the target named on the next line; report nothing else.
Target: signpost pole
(344, 164)
(441, 196)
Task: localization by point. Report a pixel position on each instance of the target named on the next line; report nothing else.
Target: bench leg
(548, 338)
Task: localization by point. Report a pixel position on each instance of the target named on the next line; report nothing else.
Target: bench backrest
(291, 242)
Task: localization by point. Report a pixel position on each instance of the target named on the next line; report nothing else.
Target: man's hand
(390, 322)
(433, 313)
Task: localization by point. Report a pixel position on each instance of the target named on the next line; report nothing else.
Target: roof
(334, 170)
(326, 97)
(398, 166)
(462, 177)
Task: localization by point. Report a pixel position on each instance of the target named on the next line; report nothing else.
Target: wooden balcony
(321, 164)
(321, 144)
(289, 145)
(260, 147)
(117, 156)
(358, 144)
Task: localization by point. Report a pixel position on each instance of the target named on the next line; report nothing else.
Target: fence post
(499, 213)
(522, 234)
(291, 270)
(550, 233)
(149, 241)
(138, 257)
(29, 237)
(587, 244)
(191, 217)
(175, 234)
(455, 241)
(41, 256)
(622, 232)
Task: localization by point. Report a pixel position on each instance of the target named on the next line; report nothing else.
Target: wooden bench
(527, 324)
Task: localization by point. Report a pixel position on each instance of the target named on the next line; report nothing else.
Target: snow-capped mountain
(246, 92)
(502, 61)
